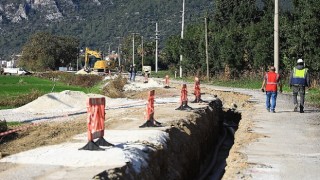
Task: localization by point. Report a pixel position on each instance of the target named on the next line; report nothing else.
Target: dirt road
(282, 145)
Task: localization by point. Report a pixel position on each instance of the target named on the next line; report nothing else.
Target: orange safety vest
(272, 81)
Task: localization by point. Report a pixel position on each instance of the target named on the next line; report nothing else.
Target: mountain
(96, 23)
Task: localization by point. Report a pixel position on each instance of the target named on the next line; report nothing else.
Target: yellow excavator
(93, 60)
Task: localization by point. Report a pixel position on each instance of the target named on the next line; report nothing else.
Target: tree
(44, 51)
(304, 36)
(171, 52)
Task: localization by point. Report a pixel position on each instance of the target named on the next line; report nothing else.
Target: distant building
(3, 63)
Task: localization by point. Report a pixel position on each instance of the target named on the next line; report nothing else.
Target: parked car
(15, 71)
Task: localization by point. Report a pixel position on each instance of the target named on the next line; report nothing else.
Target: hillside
(97, 23)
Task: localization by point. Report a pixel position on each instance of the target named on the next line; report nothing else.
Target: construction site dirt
(126, 116)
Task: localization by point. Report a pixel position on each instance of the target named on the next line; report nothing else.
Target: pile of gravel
(138, 86)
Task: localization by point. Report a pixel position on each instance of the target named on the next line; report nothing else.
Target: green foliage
(20, 99)
(240, 35)
(97, 25)
(314, 96)
(44, 51)
(70, 79)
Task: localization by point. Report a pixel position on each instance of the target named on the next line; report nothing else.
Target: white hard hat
(300, 61)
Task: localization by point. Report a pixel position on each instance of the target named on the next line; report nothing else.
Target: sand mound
(137, 86)
(64, 101)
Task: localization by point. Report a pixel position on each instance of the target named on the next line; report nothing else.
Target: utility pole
(133, 34)
(77, 59)
(133, 49)
(142, 55)
(182, 27)
(157, 38)
(206, 37)
(109, 52)
(119, 60)
(119, 56)
(276, 35)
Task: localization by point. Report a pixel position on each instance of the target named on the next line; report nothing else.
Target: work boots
(301, 109)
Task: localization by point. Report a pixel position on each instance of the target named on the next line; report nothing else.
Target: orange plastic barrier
(18, 129)
(166, 81)
(184, 99)
(149, 117)
(197, 90)
(96, 117)
(95, 123)
(150, 106)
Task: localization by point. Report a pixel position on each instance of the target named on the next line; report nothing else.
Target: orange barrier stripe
(18, 129)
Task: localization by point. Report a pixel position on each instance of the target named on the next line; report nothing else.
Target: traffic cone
(166, 82)
(184, 99)
(151, 122)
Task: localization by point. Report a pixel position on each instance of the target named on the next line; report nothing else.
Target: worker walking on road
(133, 73)
(270, 84)
(299, 80)
(130, 71)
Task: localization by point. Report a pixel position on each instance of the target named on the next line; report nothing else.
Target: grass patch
(162, 74)
(14, 123)
(252, 83)
(313, 96)
(17, 91)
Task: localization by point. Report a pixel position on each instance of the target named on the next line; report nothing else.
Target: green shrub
(71, 79)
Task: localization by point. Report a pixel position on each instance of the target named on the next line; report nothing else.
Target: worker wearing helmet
(270, 85)
(299, 80)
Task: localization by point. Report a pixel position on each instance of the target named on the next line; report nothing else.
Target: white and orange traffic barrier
(95, 123)
(17, 129)
(184, 99)
(197, 91)
(149, 116)
(166, 82)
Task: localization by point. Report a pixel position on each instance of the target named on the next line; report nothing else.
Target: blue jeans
(271, 97)
(133, 77)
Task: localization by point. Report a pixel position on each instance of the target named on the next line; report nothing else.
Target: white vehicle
(14, 71)
(146, 70)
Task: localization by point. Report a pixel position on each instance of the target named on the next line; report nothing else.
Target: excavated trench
(195, 142)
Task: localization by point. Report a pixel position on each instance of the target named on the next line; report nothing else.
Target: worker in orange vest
(270, 84)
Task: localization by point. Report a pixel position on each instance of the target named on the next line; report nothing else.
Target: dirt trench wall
(191, 140)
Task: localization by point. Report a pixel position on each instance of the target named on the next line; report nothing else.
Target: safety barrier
(197, 91)
(150, 121)
(95, 122)
(166, 82)
(184, 99)
(18, 129)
